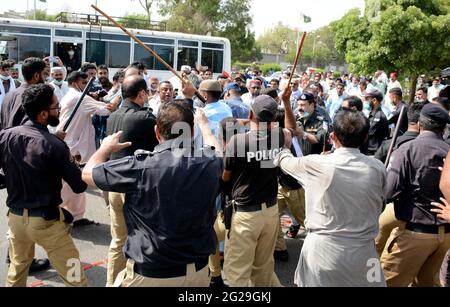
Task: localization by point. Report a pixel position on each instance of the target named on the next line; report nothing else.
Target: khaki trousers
(388, 222)
(249, 250)
(214, 260)
(414, 258)
(294, 200)
(128, 278)
(119, 233)
(54, 237)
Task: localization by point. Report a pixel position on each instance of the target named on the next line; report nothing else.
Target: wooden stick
(78, 104)
(140, 43)
(299, 52)
(394, 138)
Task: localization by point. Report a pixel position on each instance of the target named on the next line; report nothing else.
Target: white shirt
(344, 200)
(80, 136)
(434, 92)
(60, 92)
(155, 104)
(12, 88)
(387, 98)
(248, 99)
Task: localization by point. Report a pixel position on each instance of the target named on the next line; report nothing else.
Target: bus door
(69, 50)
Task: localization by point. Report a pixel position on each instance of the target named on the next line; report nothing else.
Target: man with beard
(12, 113)
(61, 87)
(35, 162)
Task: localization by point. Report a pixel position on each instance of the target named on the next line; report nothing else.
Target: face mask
(420, 100)
(153, 88)
(367, 108)
(4, 78)
(71, 53)
(58, 83)
(305, 115)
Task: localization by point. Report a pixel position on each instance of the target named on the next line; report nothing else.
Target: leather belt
(253, 208)
(429, 229)
(172, 272)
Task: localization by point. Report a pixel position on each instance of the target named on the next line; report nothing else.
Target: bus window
(111, 54)
(187, 53)
(32, 46)
(213, 59)
(165, 52)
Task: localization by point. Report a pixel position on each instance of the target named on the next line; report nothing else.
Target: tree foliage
(147, 5)
(411, 36)
(319, 48)
(226, 18)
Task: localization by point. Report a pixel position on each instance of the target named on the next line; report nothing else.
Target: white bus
(20, 39)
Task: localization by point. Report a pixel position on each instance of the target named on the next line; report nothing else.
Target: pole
(140, 43)
(394, 138)
(314, 52)
(34, 10)
(77, 106)
(299, 51)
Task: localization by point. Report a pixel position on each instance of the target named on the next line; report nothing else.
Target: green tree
(409, 36)
(226, 18)
(147, 6)
(137, 21)
(191, 16)
(42, 15)
(279, 40)
(235, 24)
(319, 48)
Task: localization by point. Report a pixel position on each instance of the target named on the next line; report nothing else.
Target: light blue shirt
(334, 103)
(215, 112)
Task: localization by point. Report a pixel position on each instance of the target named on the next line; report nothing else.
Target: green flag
(306, 19)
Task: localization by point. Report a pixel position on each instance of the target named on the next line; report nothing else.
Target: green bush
(265, 68)
(238, 66)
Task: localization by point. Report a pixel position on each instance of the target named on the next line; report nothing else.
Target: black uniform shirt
(382, 152)
(169, 204)
(379, 130)
(396, 114)
(250, 158)
(413, 178)
(12, 113)
(138, 126)
(317, 126)
(35, 162)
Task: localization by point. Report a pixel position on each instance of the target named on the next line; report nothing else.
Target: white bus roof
(111, 30)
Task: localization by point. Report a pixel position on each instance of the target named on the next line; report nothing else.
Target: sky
(266, 13)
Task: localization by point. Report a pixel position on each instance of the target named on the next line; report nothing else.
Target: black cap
(436, 113)
(265, 108)
(307, 97)
(374, 93)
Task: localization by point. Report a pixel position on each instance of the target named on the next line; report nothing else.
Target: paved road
(93, 241)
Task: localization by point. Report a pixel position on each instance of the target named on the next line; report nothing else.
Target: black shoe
(282, 256)
(293, 231)
(39, 265)
(217, 283)
(84, 222)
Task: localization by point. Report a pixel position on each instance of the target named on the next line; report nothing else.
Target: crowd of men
(186, 164)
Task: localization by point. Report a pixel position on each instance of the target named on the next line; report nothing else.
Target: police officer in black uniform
(138, 127)
(169, 203)
(35, 162)
(379, 126)
(416, 250)
(314, 125)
